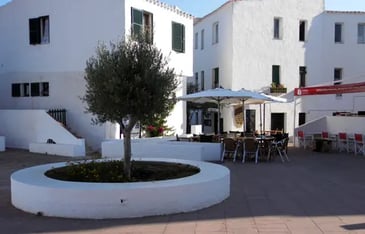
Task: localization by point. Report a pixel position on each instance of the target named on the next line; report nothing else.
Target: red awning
(331, 89)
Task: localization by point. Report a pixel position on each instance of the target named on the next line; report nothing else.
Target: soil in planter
(112, 171)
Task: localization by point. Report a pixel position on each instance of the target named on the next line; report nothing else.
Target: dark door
(216, 124)
(277, 121)
(250, 120)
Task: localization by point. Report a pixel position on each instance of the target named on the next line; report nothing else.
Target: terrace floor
(314, 193)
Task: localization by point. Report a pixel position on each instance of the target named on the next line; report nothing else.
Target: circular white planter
(33, 192)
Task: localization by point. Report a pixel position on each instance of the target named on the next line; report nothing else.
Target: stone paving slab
(314, 193)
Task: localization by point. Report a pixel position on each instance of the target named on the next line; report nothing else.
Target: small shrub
(112, 171)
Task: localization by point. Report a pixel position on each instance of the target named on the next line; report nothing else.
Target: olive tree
(127, 82)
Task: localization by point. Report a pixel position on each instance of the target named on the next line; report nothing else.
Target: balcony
(277, 88)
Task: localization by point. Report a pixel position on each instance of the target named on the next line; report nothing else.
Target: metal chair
(230, 146)
(281, 147)
(250, 146)
(359, 144)
(342, 142)
(304, 140)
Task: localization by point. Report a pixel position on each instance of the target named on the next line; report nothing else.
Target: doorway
(250, 120)
(278, 121)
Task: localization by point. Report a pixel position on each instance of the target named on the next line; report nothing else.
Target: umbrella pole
(260, 119)
(243, 115)
(219, 118)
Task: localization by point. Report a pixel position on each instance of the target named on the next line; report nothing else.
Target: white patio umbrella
(222, 96)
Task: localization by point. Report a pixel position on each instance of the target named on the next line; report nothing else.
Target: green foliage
(112, 171)
(130, 78)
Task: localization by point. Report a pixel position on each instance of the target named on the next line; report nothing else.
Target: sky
(201, 8)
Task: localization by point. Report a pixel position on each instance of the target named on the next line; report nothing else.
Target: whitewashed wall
(22, 127)
(247, 50)
(76, 28)
(325, 55)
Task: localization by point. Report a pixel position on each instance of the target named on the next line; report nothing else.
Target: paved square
(314, 193)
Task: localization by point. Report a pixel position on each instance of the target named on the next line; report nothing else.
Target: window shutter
(137, 21)
(178, 37)
(276, 74)
(34, 31)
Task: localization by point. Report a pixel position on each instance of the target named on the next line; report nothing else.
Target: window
(202, 39)
(276, 74)
(202, 80)
(39, 30)
(215, 31)
(302, 30)
(215, 78)
(338, 32)
(196, 41)
(302, 76)
(337, 77)
(278, 28)
(178, 37)
(361, 33)
(15, 90)
(20, 90)
(36, 89)
(142, 22)
(196, 81)
(39, 89)
(301, 118)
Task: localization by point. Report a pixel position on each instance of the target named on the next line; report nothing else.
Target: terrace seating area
(325, 142)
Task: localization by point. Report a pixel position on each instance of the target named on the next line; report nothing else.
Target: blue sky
(202, 7)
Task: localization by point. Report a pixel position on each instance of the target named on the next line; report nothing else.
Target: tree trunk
(127, 153)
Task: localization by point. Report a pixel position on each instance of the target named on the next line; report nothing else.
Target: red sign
(330, 89)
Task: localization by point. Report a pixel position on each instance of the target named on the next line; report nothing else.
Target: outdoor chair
(304, 140)
(331, 138)
(250, 146)
(359, 144)
(281, 147)
(265, 149)
(343, 142)
(230, 147)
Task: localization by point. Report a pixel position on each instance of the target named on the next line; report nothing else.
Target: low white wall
(57, 198)
(164, 148)
(334, 125)
(2, 143)
(58, 149)
(22, 127)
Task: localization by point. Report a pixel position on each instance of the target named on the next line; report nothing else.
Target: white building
(44, 46)
(253, 44)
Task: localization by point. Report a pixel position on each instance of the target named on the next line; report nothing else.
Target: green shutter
(276, 74)
(178, 37)
(137, 21)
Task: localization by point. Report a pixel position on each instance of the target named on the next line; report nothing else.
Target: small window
(215, 35)
(338, 33)
(15, 90)
(302, 76)
(337, 78)
(44, 89)
(196, 81)
(302, 30)
(202, 80)
(202, 39)
(178, 37)
(361, 33)
(276, 74)
(25, 90)
(215, 78)
(278, 28)
(34, 89)
(196, 41)
(301, 118)
(142, 22)
(39, 30)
